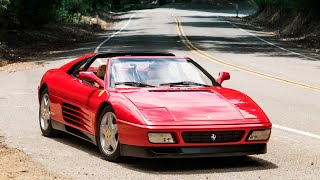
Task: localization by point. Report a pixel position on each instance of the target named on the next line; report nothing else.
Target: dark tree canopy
(39, 12)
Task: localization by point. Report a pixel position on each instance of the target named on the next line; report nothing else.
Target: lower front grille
(212, 137)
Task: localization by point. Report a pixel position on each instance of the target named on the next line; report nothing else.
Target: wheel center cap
(45, 113)
(108, 133)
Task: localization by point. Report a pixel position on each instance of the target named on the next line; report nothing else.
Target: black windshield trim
(129, 54)
(214, 82)
(183, 83)
(140, 84)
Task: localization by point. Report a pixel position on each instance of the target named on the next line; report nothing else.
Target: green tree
(34, 12)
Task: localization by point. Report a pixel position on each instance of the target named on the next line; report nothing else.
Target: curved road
(295, 110)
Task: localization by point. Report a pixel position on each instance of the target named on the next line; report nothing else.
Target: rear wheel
(44, 115)
(107, 136)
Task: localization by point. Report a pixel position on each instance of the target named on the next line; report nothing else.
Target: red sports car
(150, 105)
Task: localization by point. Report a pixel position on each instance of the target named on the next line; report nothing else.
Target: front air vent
(212, 136)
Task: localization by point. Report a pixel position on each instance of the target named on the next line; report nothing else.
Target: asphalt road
(294, 149)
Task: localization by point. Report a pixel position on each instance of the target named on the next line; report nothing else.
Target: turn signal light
(161, 138)
(259, 135)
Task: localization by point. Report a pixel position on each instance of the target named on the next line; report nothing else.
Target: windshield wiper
(136, 84)
(187, 83)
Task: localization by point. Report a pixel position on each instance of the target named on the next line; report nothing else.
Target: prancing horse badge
(213, 137)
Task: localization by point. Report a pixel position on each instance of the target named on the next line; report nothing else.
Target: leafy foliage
(7, 17)
(38, 12)
(3, 5)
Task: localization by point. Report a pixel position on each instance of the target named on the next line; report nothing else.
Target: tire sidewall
(49, 131)
(115, 156)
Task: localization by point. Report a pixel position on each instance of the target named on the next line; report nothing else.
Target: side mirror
(91, 77)
(222, 77)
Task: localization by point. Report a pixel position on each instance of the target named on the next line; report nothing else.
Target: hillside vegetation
(26, 13)
(296, 20)
(304, 5)
(29, 28)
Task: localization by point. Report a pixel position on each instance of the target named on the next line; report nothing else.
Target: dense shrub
(39, 12)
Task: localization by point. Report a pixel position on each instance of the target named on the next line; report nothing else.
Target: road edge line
(107, 39)
(296, 131)
(270, 43)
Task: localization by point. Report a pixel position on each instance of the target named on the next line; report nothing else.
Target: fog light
(161, 138)
(259, 135)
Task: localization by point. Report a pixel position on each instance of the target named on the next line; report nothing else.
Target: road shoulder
(14, 164)
(301, 46)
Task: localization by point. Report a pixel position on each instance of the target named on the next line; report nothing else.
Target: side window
(99, 67)
(77, 68)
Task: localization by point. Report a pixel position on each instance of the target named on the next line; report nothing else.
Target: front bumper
(137, 135)
(192, 152)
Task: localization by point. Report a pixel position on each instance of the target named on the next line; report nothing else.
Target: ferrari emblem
(108, 133)
(213, 137)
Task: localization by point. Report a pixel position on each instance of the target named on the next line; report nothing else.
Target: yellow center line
(201, 53)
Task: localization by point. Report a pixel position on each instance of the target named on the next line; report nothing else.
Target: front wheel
(44, 115)
(107, 136)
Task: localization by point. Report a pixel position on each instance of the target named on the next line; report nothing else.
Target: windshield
(155, 72)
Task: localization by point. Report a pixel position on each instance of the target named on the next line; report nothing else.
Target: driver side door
(77, 101)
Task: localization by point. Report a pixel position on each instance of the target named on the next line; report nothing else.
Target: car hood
(196, 106)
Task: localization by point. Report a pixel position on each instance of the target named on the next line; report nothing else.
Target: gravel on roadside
(14, 164)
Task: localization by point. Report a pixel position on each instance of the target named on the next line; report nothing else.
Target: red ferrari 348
(150, 105)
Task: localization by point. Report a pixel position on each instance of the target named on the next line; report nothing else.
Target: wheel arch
(43, 87)
(102, 106)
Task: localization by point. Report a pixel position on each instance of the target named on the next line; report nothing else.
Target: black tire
(113, 156)
(47, 129)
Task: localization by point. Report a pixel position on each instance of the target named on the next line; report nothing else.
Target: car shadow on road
(77, 143)
(174, 166)
(198, 165)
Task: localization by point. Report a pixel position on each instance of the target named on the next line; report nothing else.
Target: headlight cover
(161, 138)
(259, 135)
